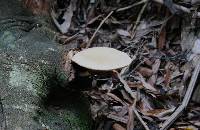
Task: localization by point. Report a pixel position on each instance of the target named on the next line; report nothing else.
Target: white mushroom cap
(102, 58)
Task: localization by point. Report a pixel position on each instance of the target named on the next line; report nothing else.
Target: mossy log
(33, 94)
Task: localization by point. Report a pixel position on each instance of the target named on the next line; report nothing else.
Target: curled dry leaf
(117, 126)
(144, 71)
(162, 39)
(146, 85)
(123, 33)
(196, 47)
(116, 98)
(145, 104)
(156, 66)
(152, 80)
(63, 24)
(148, 62)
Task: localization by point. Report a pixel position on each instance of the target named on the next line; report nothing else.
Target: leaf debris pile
(159, 36)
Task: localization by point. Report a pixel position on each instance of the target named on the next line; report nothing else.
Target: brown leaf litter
(153, 91)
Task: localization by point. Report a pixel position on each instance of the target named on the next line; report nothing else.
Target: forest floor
(162, 38)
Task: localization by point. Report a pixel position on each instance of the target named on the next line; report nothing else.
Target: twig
(138, 20)
(117, 118)
(127, 88)
(118, 10)
(129, 91)
(140, 119)
(185, 101)
(102, 22)
(116, 98)
(179, 7)
(131, 6)
(130, 123)
(71, 38)
(182, 8)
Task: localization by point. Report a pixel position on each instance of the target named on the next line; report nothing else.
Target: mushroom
(102, 59)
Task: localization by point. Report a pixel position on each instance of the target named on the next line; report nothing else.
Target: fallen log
(32, 79)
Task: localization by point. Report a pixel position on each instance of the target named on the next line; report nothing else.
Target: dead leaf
(156, 66)
(135, 85)
(145, 104)
(167, 77)
(64, 23)
(144, 71)
(159, 112)
(123, 33)
(152, 80)
(130, 123)
(146, 85)
(117, 118)
(162, 39)
(148, 62)
(117, 126)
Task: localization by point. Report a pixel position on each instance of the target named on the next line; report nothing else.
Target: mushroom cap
(102, 58)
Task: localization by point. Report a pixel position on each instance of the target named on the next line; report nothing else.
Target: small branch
(131, 6)
(102, 22)
(138, 20)
(116, 98)
(130, 123)
(179, 7)
(70, 38)
(128, 90)
(186, 99)
(126, 87)
(117, 118)
(140, 119)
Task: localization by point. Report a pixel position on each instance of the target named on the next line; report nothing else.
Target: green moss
(77, 122)
(74, 114)
(28, 79)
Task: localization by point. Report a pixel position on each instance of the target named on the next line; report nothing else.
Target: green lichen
(28, 79)
(7, 38)
(75, 114)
